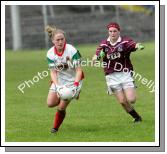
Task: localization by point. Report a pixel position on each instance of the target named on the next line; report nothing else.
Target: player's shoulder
(70, 48)
(50, 52)
(104, 43)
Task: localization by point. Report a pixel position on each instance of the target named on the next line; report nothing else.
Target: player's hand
(140, 46)
(58, 87)
(76, 84)
(102, 54)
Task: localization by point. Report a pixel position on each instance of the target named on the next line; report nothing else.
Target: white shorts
(119, 81)
(53, 87)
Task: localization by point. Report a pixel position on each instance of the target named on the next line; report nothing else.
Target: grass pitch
(95, 117)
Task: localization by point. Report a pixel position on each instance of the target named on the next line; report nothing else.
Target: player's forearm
(53, 74)
(94, 58)
(78, 76)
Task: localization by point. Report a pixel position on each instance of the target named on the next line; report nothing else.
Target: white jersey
(64, 63)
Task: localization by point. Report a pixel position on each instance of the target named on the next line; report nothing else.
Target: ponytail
(52, 30)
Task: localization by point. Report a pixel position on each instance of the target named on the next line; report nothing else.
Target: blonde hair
(52, 30)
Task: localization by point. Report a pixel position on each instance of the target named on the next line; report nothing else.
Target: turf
(95, 117)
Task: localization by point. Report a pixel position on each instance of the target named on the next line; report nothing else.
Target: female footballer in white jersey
(115, 52)
(63, 60)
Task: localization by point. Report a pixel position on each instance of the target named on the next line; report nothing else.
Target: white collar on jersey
(119, 40)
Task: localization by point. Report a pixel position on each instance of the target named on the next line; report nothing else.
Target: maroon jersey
(117, 56)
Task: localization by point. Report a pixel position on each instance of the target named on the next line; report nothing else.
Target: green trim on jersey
(76, 56)
(50, 61)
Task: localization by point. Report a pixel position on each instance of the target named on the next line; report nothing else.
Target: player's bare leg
(52, 100)
(130, 94)
(122, 99)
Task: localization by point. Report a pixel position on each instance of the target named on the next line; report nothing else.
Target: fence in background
(81, 24)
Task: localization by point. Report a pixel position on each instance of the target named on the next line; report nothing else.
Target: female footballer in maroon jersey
(115, 52)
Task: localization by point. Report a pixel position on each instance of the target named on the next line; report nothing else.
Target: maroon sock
(59, 117)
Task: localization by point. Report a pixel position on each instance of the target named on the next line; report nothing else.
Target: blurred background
(24, 24)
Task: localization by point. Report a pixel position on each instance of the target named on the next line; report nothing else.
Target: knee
(131, 100)
(52, 103)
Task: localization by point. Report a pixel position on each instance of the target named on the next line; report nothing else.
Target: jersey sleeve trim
(76, 56)
(49, 61)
